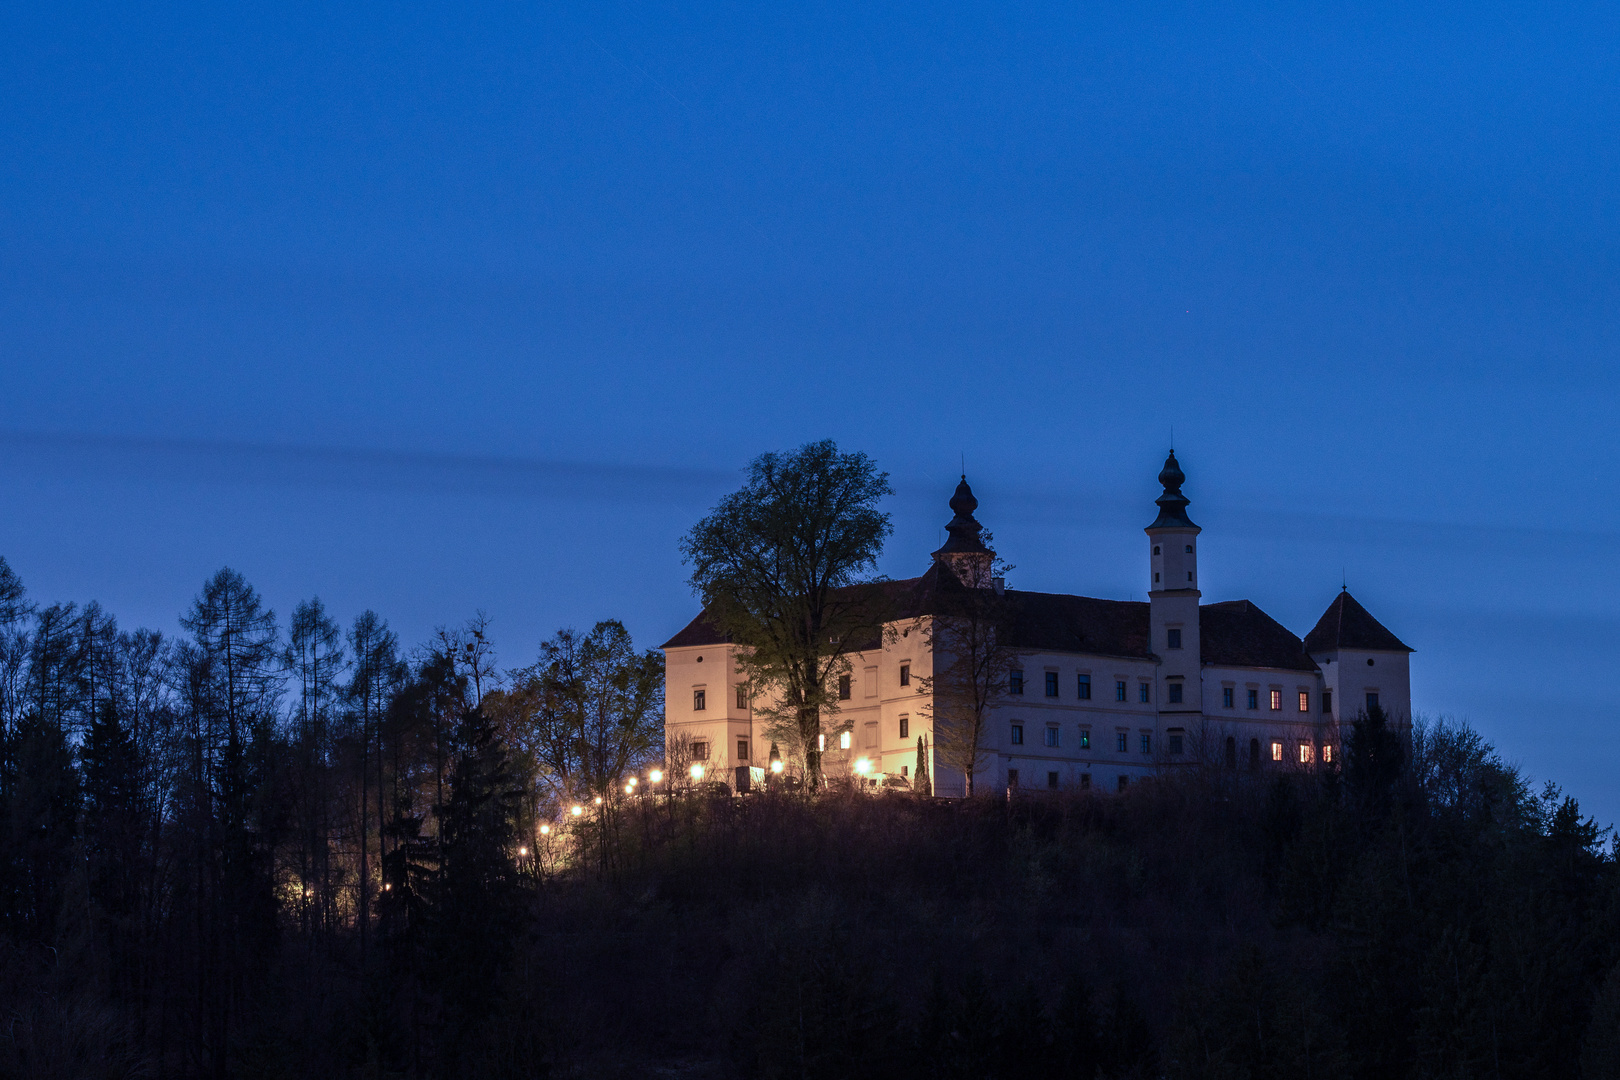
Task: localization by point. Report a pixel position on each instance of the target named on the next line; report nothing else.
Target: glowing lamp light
(655, 775)
(523, 851)
(697, 772)
(598, 800)
(386, 887)
(633, 782)
(576, 810)
(545, 830)
(776, 766)
(628, 789)
(863, 766)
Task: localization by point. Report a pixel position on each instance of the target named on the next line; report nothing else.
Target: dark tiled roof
(1080, 624)
(1235, 633)
(1347, 625)
(700, 631)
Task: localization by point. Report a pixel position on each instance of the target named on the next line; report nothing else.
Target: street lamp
(545, 830)
(576, 810)
(654, 775)
(599, 800)
(863, 766)
(697, 772)
(776, 759)
(633, 781)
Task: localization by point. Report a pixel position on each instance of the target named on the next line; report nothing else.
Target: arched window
(1231, 752)
(1254, 753)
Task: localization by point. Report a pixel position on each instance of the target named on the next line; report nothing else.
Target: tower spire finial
(964, 549)
(1172, 504)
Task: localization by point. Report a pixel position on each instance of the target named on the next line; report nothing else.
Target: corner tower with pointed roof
(1362, 663)
(1173, 596)
(964, 552)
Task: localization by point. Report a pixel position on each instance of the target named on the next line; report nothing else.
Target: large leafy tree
(777, 564)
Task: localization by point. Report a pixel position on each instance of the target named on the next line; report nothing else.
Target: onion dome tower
(964, 552)
(1173, 595)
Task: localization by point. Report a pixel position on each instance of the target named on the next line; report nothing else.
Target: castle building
(1098, 693)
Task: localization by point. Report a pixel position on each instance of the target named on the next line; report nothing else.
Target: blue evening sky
(441, 309)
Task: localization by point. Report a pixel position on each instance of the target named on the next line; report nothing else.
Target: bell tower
(1173, 596)
(964, 552)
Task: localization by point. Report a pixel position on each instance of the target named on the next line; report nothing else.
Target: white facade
(1149, 687)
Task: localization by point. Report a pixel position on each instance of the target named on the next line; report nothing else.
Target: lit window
(1018, 734)
(1372, 701)
(1174, 635)
(1051, 684)
(1327, 753)
(843, 740)
(1119, 691)
(1124, 782)
(1327, 701)
(1083, 687)
(1304, 701)
(1226, 697)
(1305, 754)
(700, 700)
(1175, 693)
(1085, 739)
(1052, 780)
(1254, 699)
(1147, 744)
(1175, 742)
(843, 688)
(905, 674)
(1144, 692)
(1085, 781)
(742, 749)
(1122, 743)
(1276, 700)
(1052, 736)
(700, 751)
(1276, 751)
(1015, 681)
(905, 727)
(742, 696)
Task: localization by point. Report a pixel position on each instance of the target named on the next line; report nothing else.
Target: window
(1372, 700)
(1175, 742)
(1147, 744)
(1018, 734)
(843, 688)
(1052, 780)
(1174, 635)
(1155, 577)
(1051, 684)
(871, 731)
(905, 727)
(1121, 742)
(870, 682)
(1085, 781)
(1175, 693)
(1276, 700)
(1305, 754)
(1082, 687)
(1304, 701)
(905, 674)
(843, 740)
(1012, 778)
(821, 743)
(1327, 753)
(1155, 549)
(1254, 699)
(742, 696)
(742, 749)
(1327, 701)
(700, 751)
(1144, 692)
(1254, 753)
(1085, 738)
(1124, 782)
(1052, 735)
(1015, 681)
(1276, 751)
(1189, 575)
(1226, 697)
(1119, 690)
(1189, 549)
(905, 771)
(700, 700)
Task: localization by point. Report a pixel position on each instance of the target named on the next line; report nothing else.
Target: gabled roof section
(700, 631)
(1236, 633)
(1080, 624)
(1347, 625)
